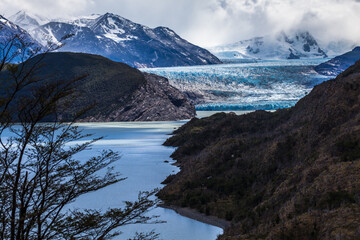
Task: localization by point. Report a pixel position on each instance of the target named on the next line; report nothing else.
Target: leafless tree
(39, 170)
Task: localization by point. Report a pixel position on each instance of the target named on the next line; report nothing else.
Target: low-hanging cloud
(214, 22)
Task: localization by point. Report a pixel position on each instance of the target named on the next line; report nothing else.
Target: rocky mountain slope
(339, 64)
(116, 91)
(119, 39)
(281, 46)
(290, 174)
(156, 100)
(8, 31)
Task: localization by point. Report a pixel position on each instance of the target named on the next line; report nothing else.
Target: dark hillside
(110, 87)
(291, 174)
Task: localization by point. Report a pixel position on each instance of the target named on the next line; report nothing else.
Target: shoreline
(200, 217)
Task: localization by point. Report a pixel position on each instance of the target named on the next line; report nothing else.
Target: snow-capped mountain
(281, 46)
(82, 21)
(122, 40)
(19, 37)
(8, 29)
(28, 22)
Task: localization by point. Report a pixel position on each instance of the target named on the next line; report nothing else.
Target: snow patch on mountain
(120, 39)
(297, 45)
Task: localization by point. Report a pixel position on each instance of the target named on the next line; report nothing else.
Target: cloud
(47, 8)
(213, 22)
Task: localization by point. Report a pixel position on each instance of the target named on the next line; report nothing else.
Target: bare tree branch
(40, 173)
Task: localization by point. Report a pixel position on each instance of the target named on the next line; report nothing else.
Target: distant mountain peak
(112, 15)
(28, 21)
(12, 32)
(119, 39)
(283, 45)
(112, 21)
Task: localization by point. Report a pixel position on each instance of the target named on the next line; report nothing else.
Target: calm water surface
(143, 164)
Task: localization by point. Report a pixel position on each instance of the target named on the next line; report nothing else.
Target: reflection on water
(143, 164)
(202, 114)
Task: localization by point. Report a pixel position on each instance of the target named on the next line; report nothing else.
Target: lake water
(264, 85)
(267, 85)
(142, 163)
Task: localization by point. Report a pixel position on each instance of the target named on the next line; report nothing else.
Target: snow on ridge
(120, 39)
(5, 22)
(28, 21)
(300, 44)
(114, 27)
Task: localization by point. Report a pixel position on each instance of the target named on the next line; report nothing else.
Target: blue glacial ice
(263, 85)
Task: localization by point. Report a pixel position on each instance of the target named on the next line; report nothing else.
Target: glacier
(260, 85)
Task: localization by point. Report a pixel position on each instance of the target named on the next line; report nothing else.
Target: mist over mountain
(283, 45)
(26, 21)
(117, 38)
(217, 22)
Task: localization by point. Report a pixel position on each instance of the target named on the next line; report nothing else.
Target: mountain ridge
(14, 37)
(335, 66)
(120, 39)
(26, 21)
(300, 44)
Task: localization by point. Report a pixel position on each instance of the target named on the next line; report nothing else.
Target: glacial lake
(143, 164)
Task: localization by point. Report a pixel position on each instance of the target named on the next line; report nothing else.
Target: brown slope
(292, 174)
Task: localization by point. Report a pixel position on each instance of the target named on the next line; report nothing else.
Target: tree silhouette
(40, 173)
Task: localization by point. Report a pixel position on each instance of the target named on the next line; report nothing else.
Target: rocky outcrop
(156, 100)
(290, 174)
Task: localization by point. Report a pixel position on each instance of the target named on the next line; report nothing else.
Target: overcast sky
(213, 22)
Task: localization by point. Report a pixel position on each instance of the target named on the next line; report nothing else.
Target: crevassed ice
(267, 85)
